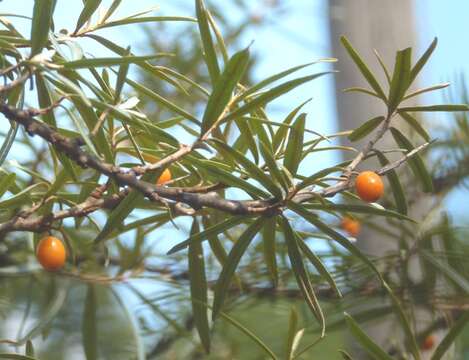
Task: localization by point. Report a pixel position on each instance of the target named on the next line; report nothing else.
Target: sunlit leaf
(294, 149)
(42, 20)
(366, 72)
(223, 89)
(366, 128)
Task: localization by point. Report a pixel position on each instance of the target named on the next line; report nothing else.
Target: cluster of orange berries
(369, 188)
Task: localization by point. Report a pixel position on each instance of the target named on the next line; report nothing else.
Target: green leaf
(253, 170)
(450, 337)
(48, 314)
(262, 84)
(109, 61)
(125, 207)
(213, 230)
(8, 142)
(415, 162)
(383, 66)
(361, 90)
(268, 239)
(209, 49)
(281, 134)
(19, 198)
(272, 165)
(223, 89)
(41, 24)
(445, 108)
(366, 128)
(318, 264)
(345, 355)
(214, 242)
(29, 348)
(396, 186)
(301, 275)
(342, 240)
(368, 344)
(145, 19)
(366, 72)
(226, 275)
(415, 125)
(422, 61)
(161, 100)
(427, 89)
(249, 334)
(294, 149)
(89, 331)
(271, 94)
(131, 320)
(226, 177)
(294, 335)
(409, 334)
(400, 79)
(90, 7)
(357, 208)
(198, 287)
(457, 279)
(6, 182)
(13, 356)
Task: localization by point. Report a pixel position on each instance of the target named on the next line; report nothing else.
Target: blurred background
(283, 34)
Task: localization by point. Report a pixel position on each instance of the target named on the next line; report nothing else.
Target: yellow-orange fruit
(51, 253)
(164, 177)
(351, 226)
(429, 342)
(369, 186)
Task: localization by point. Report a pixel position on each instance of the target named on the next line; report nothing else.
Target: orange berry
(351, 226)
(369, 186)
(51, 253)
(164, 177)
(429, 342)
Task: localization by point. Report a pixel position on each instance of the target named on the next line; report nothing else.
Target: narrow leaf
(42, 20)
(207, 42)
(224, 88)
(416, 162)
(226, 275)
(400, 79)
(427, 108)
(294, 149)
(90, 7)
(109, 61)
(271, 94)
(423, 60)
(366, 128)
(268, 238)
(396, 186)
(198, 287)
(368, 344)
(89, 331)
(213, 230)
(366, 72)
(413, 123)
(253, 170)
(451, 336)
(301, 275)
(262, 84)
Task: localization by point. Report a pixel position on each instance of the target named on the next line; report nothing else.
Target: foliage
(239, 184)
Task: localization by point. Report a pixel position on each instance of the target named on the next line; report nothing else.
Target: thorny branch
(172, 197)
